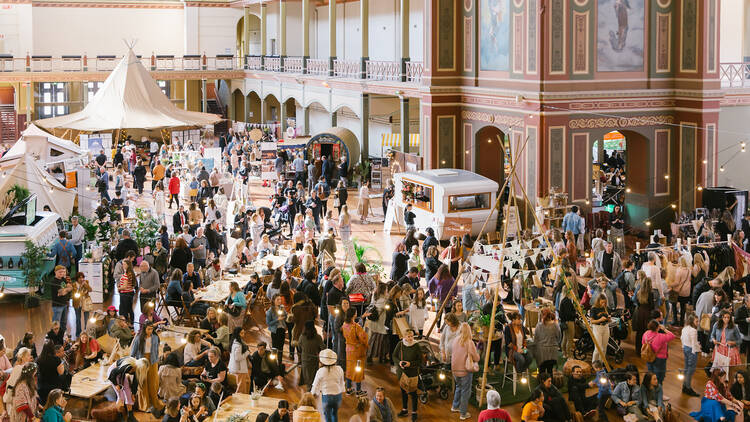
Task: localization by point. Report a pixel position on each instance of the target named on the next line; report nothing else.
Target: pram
(618, 331)
(434, 375)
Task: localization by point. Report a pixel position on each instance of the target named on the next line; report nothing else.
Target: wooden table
(218, 291)
(86, 384)
(278, 261)
(533, 311)
(241, 404)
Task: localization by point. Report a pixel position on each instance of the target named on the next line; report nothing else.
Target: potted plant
(33, 260)
(144, 230)
(88, 257)
(255, 396)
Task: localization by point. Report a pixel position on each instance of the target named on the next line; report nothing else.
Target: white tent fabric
(42, 146)
(129, 99)
(28, 173)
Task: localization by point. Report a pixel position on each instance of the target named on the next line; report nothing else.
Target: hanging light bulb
(648, 223)
(602, 380)
(587, 202)
(77, 295)
(476, 291)
(619, 239)
(721, 168)
(358, 368)
(387, 306)
(524, 380)
(2, 291)
(92, 319)
(441, 376)
(705, 161)
(220, 310)
(627, 190)
(674, 206)
(336, 311)
(183, 340)
(700, 188)
(680, 375)
(280, 312)
(150, 303)
(272, 356)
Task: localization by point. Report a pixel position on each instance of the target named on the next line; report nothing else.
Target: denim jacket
(154, 348)
(624, 393)
(731, 334)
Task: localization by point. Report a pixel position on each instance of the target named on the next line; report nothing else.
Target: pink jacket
(458, 356)
(659, 342)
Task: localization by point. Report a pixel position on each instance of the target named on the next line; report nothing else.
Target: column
(246, 32)
(231, 109)
(85, 95)
(29, 88)
(262, 110)
(306, 118)
(204, 101)
(332, 35)
(282, 117)
(185, 95)
(263, 30)
(404, 124)
(364, 17)
(404, 38)
(334, 119)
(365, 136)
(305, 34)
(246, 118)
(282, 32)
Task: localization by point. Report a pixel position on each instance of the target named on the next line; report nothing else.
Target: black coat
(399, 264)
(139, 172)
(124, 246)
(176, 223)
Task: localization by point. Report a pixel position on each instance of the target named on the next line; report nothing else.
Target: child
(409, 217)
(415, 259)
(330, 223)
(264, 246)
(418, 312)
(298, 232)
(194, 189)
(309, 225)
(172, 411)
(605, 388)
(194, 411)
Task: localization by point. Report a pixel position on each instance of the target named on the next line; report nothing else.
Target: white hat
(327, 357)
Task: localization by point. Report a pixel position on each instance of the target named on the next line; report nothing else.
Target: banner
(456, 226)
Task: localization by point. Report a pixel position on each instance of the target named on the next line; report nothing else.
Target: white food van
(21, 224)
(451, 201)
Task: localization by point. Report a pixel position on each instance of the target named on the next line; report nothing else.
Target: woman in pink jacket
(681, 285)
(463, 349)
(658, 337)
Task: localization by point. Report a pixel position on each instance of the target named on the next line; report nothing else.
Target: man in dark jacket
(316, 206)
(101, 159)
(203, 175)
(741, 317)
(310, 288)
(126, 244)
(139, 176)
(430, 240)
(179, 219)
(577, 386)
(327, 169)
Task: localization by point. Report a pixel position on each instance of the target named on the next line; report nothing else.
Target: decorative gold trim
(615, 122)
(656, 157)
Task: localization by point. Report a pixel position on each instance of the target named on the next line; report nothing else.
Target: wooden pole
(573, 289)
(455, 282)
(491, 334)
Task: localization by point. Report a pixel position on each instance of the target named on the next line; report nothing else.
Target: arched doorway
(238, 103)
(254, 41)
(489, 150)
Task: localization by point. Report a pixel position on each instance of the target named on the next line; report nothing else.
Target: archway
(254, 41)
(238, 106)
(489, 153)
(254, 109)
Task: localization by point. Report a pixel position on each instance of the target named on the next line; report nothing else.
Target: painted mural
(494, 36)
(619, 45)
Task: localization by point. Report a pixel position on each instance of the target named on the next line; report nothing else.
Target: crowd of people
(330, 325)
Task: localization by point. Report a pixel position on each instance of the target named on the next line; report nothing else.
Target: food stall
(451, 201)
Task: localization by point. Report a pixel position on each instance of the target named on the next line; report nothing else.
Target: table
(241, 403)
(532, 311)
(218, 291)
(278, 261)
(86, 384)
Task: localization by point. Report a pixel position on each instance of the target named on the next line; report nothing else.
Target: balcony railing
(383, 71)
(273, 64)
(346, 68)
(293, 64)
(735, 75)
(317, 66)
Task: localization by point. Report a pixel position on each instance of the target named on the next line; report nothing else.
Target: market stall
(451, 201)
(336, 143)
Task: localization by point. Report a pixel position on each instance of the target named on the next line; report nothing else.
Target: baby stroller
(434, 375)
(618, 330)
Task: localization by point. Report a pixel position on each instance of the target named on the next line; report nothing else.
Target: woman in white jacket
(238, 360)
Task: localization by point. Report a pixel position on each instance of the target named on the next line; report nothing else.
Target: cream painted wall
(217, 29)
(15, 29)
(732, 124)
(98, 31)
(732, 30)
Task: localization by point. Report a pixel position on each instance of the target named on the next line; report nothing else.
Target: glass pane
(47, 97)
(60, 110)
(47, 110)
(46, 85)
(469, 202)
(60, 97)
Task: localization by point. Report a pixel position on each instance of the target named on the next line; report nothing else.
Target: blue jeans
(331, 404)
(659, 368)
(462, 393)
(691, 360)
(350, 383)
(58, 312)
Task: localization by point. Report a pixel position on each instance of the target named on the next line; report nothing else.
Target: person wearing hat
(329, 384)
(25, 399)
(281, 414)
(493, 411)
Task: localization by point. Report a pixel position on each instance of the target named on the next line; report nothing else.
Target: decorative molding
(712, 38)
(581, 2)
(557, 160)
(498, 119)
(467, 5)
(446, 40)
(518, 39)
(531, 37)
(531, 164)
(446, 134)
(468, 147)
(580, 158)
(709, 145)
(115, 5)
(468, 44)
(557, 36)
(598, 105)
(661, 161)
(687, 143)
(664, 3)
(620, 122)
(689, 37)
(663, 42)
(580, 42)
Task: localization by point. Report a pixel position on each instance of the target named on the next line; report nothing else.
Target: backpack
(647, 352)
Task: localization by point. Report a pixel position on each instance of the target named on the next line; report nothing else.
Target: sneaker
(464, 417)
(362, 393)
(454, 410)
(349, 391)
(403, 413)
(692, 393)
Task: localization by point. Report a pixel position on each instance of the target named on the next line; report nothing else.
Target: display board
(96, 142)
(514, 221)
(95, 276)
(267, 156)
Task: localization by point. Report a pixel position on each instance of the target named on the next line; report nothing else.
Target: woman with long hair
(453, 253)
(393, 309)
(170, 378)
(181, 255)
(547, 337)
(145, 349)
(378, 340)
(364, 202)
(651, 400)
(276, 322)
(238, 360)
(515, 343)
(440, 287)
(431, 262)
(726, 225)
(310, 344)
(361, 410)
(55, 406)
(464, 351)
(25, 400)
(658, 337)
(356, 352)
(345, 223)
(306, 410)
(399, 262)
(88, 351)
(599, 318)
(690, 350)
(236, 305)
(160, 203)
(726, 338)
(407, 356)
(126, 287)
(717, 403)
(617, 224)
(681, 285)
(51, 369)
(644, 301)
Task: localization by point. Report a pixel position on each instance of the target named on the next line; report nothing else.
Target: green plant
(18, 193)
(360, 250)
(346, 275)
(145, 228)
(484, 320)
(33, 257)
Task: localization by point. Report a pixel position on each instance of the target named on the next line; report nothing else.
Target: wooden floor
(16, 320)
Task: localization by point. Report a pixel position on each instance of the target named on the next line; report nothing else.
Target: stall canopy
(43, 147)
(340, 136)
(28, 172)
(129, 99)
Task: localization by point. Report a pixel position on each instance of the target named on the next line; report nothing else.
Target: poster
(456, 226)
(494, 35)
(514, 221)
(267, 157)
(619, 43)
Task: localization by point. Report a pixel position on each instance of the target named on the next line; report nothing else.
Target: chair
(262, 300)
(187, 318)
(513, 376)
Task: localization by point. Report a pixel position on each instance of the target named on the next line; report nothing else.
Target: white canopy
(42, 146)
(129, 99)
(27, 172)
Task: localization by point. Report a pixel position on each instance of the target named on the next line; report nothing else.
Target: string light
(674, 206)
(358, 368)
(700, 188)
(705, 161)
(92, 319)
(627, 190)
(602, 380)
(619, 239)
(524, 380)
(721, 168)
(441, 376)
(387, 306)
(648, 223)
(680, 376)
(666, 176)
(150, 304)
(2, 291)
(219, 310)
(336, 311)
(183, 340)
(280, 312)
(77, 295)
(272, 356)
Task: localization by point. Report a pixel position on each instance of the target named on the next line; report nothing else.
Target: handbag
(87, 305)
(647, 352)
(356, 298)
(471, 366)
(407, 383)
(705, 323)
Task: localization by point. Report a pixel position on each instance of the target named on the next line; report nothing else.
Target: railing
(346, 68)
(734, 75)
(414, 71)
(253, 62)
(317, 66)
(273, 64)
(293, 64)
(383, 71)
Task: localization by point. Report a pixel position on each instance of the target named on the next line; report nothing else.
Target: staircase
(8, 128)
(214, 106)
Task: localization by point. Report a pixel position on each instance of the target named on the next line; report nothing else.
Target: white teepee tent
(129, 99)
